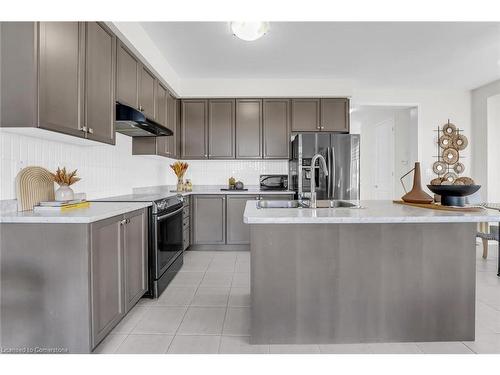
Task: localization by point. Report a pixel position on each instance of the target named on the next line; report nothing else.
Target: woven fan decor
(33, 185)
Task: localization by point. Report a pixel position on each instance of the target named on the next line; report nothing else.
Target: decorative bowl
(453, 195)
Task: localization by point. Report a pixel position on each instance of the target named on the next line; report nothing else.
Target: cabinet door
(127, 77)
(248, 128)
(221, 129)
(108, 305)
(209, 219)
(172, 114)
(61, 77)
(237, 231)
(194, 129)
(147, 93)
(100, 56)
(335, 115)
(305, 115)
(161, 105)
(276, 122)
(135, 252)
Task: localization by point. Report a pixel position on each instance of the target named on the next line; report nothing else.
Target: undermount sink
(304, 204)
(278, 204)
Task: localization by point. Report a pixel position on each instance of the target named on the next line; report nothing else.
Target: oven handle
(169, 214)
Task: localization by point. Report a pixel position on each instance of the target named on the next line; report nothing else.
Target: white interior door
(383, 165)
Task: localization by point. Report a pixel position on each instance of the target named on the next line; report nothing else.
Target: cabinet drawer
(185, 212)
(185, 224)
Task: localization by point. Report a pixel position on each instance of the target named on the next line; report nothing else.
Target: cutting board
(437, 206)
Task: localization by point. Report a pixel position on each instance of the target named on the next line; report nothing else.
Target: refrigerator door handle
(328, 178)
(333, 175)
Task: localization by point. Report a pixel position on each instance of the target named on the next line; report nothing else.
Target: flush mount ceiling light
(249, 31)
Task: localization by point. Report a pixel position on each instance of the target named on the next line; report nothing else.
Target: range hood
(131, 122)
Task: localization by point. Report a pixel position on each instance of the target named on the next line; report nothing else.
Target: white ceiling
(413, 55)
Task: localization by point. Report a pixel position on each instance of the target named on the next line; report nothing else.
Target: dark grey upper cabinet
(209, 219)
(161, 104)
(100, 44)
(248, 128)
(61, 59)
(136, 256)
(276, 122)
(171, 142)
(335, 114)
(221, 128)
(147, 93)
(238, 233)
(194, 129)
(107, 303)
(305, 115)
(127, 76)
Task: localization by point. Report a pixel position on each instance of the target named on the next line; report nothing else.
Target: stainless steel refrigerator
(341, 152)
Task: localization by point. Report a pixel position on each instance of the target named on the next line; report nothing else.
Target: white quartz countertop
(97, 211)
(371, 212)
(160, 192)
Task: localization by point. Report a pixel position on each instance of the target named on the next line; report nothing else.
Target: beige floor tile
(444, 348)
(129, 322)
(176, 296)
(207, 296)
(145, 344)
(217, 279)
(239, 297)
(159, 319)
(240, 345)
(203, 321)
(186, 278)
(237, 322)
(294, 349)
(195, 345)
(395, 348)
(241, 280)
(110, 344)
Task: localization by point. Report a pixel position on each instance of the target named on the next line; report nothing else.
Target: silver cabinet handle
(91, 131)
(123, 222)
(141, 108)
(83, 129)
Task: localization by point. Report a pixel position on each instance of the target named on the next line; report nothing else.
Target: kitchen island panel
(344, 283)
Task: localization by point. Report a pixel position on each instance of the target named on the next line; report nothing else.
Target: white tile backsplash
(112, 170)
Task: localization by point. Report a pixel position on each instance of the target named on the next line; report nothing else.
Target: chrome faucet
(322, 164)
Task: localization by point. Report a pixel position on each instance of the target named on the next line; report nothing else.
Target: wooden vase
(417, 194)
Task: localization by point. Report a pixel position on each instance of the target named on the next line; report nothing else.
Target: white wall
(479, 118)
(405, 120)
(435, 107)
(113, 170)
(493, 106)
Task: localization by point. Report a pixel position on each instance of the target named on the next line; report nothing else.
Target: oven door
(167, 239)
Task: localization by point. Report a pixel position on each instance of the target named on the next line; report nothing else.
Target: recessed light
(249, 31)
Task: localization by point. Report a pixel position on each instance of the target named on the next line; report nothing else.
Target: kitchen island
(380, 273)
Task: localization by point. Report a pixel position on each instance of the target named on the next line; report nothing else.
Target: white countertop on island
(374, 211)
(95, 212)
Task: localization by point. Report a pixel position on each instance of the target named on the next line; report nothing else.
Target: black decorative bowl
(453, 195)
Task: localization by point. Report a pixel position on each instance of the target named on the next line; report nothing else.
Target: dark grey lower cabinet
(119, 266)
(135, 244)
(107, 290)
(68, 285)
(238, 233)
(209, 219)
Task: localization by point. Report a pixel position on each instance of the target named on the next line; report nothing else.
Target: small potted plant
(64, 180)
(179, 169)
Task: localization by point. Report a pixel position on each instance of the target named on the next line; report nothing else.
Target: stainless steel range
(166, 243)
(165, 238)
